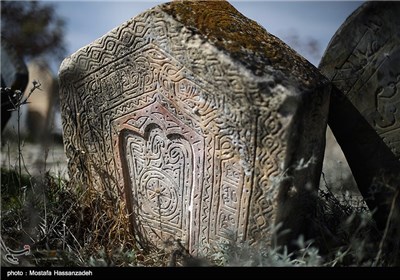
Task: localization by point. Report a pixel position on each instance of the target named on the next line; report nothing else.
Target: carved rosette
(195, 136)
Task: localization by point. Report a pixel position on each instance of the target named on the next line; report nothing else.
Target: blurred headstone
(363, 62)
(41, 106)
(208, 126)
(14, 75)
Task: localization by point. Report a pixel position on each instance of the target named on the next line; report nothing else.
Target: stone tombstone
(206, 125)
(41, 106)
(14, 75)
(363, 62)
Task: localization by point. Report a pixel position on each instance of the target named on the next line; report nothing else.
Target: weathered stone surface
(205, 123)
(363, 62)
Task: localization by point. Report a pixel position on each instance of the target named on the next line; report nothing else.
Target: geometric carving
(157, 152)
(199, 134)
(362, 61)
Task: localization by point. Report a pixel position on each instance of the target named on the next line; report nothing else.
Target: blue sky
(295, 22)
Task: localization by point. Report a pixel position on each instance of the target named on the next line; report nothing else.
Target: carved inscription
(363, 62)
(184, 131)
(367, 71)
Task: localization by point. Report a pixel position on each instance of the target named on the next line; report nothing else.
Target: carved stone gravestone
(363, 62)
(202, 121)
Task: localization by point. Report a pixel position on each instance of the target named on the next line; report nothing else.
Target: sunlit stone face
(199, 138)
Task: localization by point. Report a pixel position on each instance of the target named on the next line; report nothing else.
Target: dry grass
(71, 226)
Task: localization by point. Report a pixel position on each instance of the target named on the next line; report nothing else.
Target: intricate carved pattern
(159, 114)
(363, 62)
(158, 156)
(367, 69)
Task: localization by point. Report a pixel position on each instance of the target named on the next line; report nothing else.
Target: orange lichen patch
(244, 39)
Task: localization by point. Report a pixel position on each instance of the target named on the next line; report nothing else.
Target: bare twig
(385, 233)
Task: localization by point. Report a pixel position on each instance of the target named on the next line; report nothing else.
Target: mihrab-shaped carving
(205, 124)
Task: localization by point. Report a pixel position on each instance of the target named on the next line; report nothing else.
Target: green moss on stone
(243, 39)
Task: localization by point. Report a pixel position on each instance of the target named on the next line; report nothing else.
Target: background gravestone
(363, 62)
(14, 75)
(201, 120)
(41, 106)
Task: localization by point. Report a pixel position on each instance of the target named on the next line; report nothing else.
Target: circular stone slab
(363, 62)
